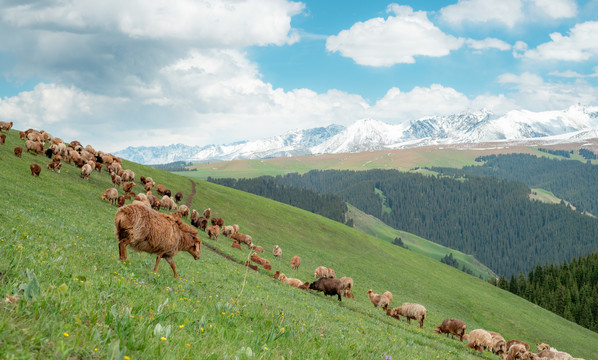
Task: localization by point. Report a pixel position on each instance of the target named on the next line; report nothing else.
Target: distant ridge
(576, 123)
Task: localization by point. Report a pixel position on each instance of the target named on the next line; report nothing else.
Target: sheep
(294, 282)
(167, 203)
(277, 274)
(348, 286)
(513, 341)
(18, 151)
(86, 171)
(321, 272)
(277, 251)
(499, 345)
(228, 230)
(546, 351)
(201, 223)
(236, 228)
(111, 194)
(453, 327)
(261, 261)
(148, 186)
(236, 245)
(5, 125)
(22, 135)
(156, 233)
(412, 311)
(55, 166)
(2, 139)
(207, 213)
(388, 294)
(304, 286)
(178, 197)
(212, 231)
(328, 287)
(184, 211)
(49, 153)
(160, 189)
(479, 339)
(217, 221)
(142, 197)
(295, 262)
(35, 169)
(242, 238)
(257, 248)
(116, 180)
(99, 167)
(377, 299)
(128, 175)
(516, 351)
(35, 146)
(121, 201)
(57, 158)
(128, 186)
(194, 215)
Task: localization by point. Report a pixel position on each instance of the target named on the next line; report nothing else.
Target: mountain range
(573, 124)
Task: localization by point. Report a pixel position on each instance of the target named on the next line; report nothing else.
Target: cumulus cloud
(556, 9)
(573, 74)
(505, 12)
(397, 39)
(488, 43)
(581, 44)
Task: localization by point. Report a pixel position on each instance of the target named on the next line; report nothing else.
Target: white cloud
(506, 12)
(581, 44)
(488, 43)
(380, 42)
(556, 9)
(574, 74)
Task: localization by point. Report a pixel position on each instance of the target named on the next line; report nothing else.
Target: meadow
(67, 296)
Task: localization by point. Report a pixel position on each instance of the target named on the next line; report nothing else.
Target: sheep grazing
(183, 211)
(156, 233)
(348, 286)
(453, 327)
(86, 171)
(167, 203)
(328, 287)
(128, 186)
(49, 153)
(242, 238)
(154, 201)
(304, 286)
(22, 135)
(128, 175)
(194, 215)
(412, 311)
(207, 213)
(276, 274)
(228, 230)
(294, 282)
(35, 146)
(212, 231)
(236, 245)
(121, 201)
(111, 194)
(201, 223)
(548, 352)
(148, 186)
(277, 252)
(160, 189)
(35, 169)
(321, 272)
(178, 197)
(479, 340)
(217, 221)
(55, 166)
(388, 294)
(250, 265)
(377, 299)
(499, 345)
(18, 151)
(516, 351)
(261, 261)
(2, 139)
(513, 341)
(5, 125)
(257, 248)
(116, 180)
(295, 262)
(99, 167)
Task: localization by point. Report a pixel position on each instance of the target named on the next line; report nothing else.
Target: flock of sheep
(142, 227)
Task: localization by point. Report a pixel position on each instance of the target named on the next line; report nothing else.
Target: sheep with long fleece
(18, 151)
(183, 211)
(213, 231)
(55, 166)
(156, 233)
(128, 186)
(35, 146)
(548, 352)
(178, 197)
(377, 299)
(348, 286)
(499, 345)
(217, 221)
(2, 139)
(86, 171)
(295, 262)
(160, 189)
(412, 311)
(321, 272)
(194, 215)
(388, 294)
(516, 351)
(201, 223)
(111, 194)
(228, 230)
(257, 248)
(277, 252)
(242, 238)
(5, 125)
(128, 175)
(479, 339)
(167, 203)
(514, 341)
(207, 213)
(328, 287)
(453, 327)
(35, 169)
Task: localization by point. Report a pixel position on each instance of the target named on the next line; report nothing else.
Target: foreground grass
(66, 294)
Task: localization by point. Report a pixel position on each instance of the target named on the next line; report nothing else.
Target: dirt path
(190, 197)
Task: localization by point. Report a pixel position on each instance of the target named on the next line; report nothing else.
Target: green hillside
(373, 226)
(66, 295)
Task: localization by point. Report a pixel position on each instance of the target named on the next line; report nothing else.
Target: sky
(115, 74)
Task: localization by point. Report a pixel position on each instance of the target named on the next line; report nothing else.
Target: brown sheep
(5, 125)
(160, 189)
(178, 197)
(453, 327)
(2, 139)
(201, 223)
(194, 215)
(156, 233)
(242, 238)
(212, 231)
(257, 248)
(35, 146)
(328, 287)
(184, 211)
(236, 245)
(167, 203)
(251, 266)
(295, 262)
(116, 180)
(22, 135)
(154, 201)
(86, 171)
(217, 222)
(388, 294)
(304, 286)
(499, 345)
(276, 274)
(277, 252)
(321, 272)
(479, 339)
(412, 311)
(111, 194)
(516, 351)
(377, 299)
(121, 201)
(128, 186)
(55, 166)
(228, 230)
(261, 261)
(513, 341)
(148, 186)
(99, 167)
(35, 169)
(207, 213)
(294, 282)
(18, 151)
(548, 352)
(236, 227)
(128, 175)
(348, 287)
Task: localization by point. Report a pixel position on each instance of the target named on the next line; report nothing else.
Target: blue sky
(153, 72)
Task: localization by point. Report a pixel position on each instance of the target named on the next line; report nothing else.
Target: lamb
(348, 286)
(207, 213)
(55, 166)
(499, 345)
(412, 311)
(111, 194)
(236, 245)
(160, 189)
(377, 299)
(99, 167)
(18, 151)
(22, 135)
(201, 223)
(479, 339)
(86, 171)
(184, 211)
(453, 327)
(328, 287)
(156, 233)
(128, 186)
(5, 125)
(212, 231)
(277, 251)
(388, 294)
(257, 248)
(2, 139)
(35, 169)
(168, 203)
(178, 197)
(295, 262)
(242, 238)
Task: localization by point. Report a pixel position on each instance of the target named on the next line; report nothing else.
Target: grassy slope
(370, 225)
(57, 227)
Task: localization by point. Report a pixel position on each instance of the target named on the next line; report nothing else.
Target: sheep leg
(339, 296)
(421, 324)
(157, 262)
(408, 320)
(122, 250)
(170, 260)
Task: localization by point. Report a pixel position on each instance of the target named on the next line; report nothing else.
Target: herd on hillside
(141, 226)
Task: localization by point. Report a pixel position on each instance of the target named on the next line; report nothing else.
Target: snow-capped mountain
(575, 123)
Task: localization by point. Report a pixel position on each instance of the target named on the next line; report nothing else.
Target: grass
(66, 294)
(375, 227)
